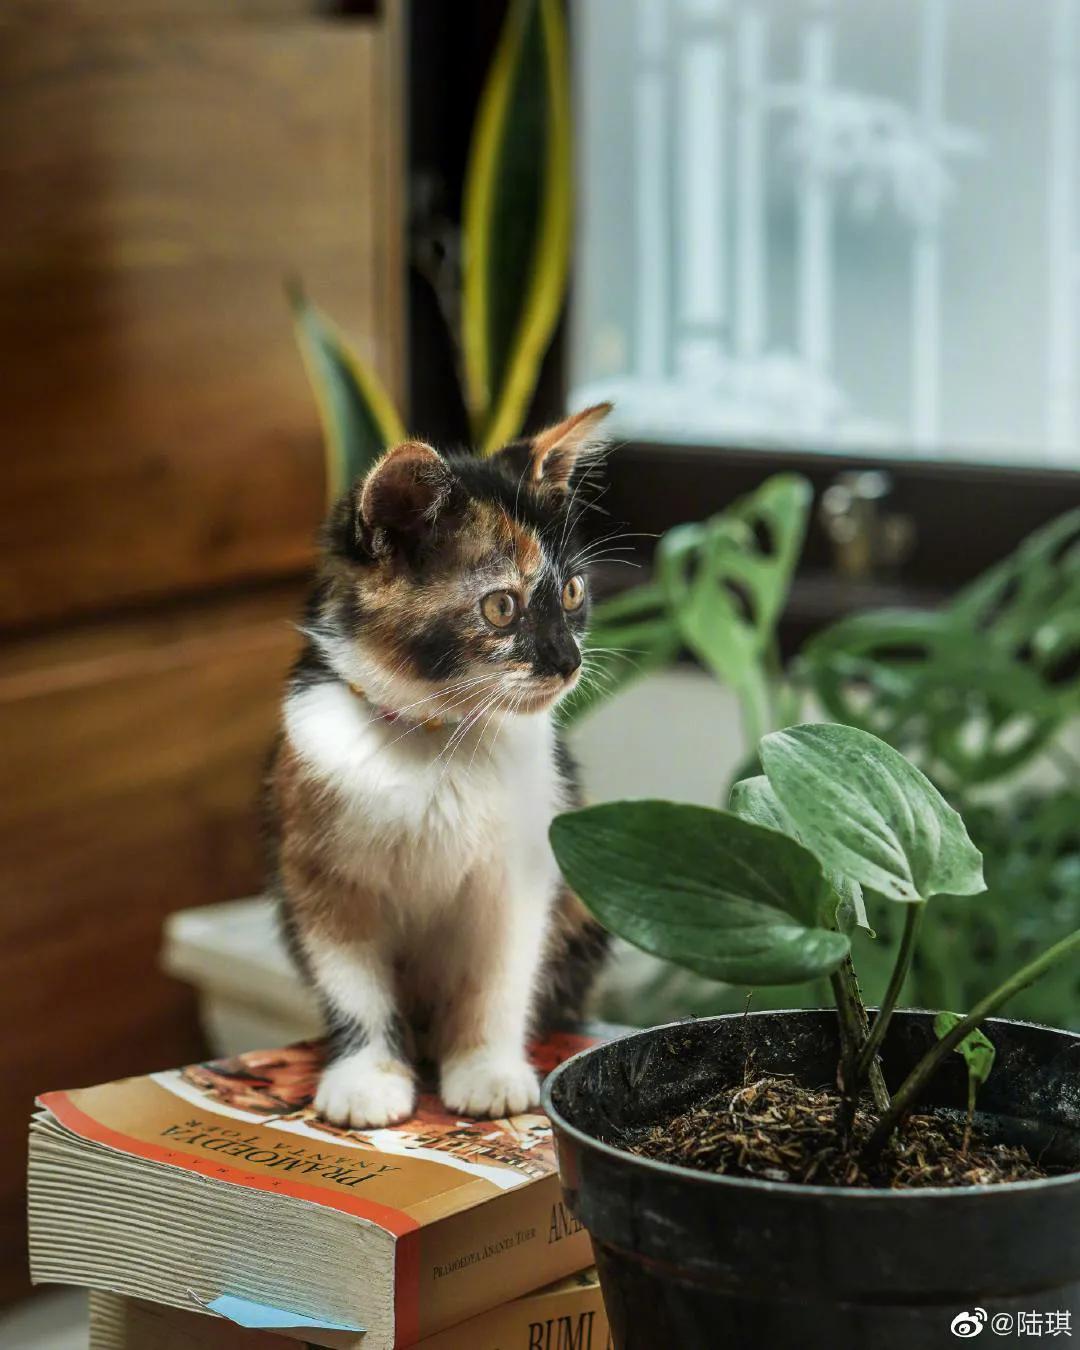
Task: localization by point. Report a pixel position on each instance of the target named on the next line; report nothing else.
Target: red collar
(390, 715)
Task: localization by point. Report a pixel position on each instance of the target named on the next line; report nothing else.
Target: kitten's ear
(557, 451)
(404, 493)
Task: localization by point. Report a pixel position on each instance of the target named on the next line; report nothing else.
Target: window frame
(965, 515)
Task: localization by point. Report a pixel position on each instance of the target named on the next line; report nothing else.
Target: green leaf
(869, 814)
(516, 227)
(754, 799)
(978, 689)
(947, 694)
(976, 1049)
(358, 416)
(727, 579)
(716, 894)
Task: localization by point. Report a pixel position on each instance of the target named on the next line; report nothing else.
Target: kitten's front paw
(486, 1083)
(364, 1093)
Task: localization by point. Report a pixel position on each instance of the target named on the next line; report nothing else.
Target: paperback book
(218, 1181)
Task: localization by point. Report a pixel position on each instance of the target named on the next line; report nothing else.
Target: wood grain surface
(163, 166)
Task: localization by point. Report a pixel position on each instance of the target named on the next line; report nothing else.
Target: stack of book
(209, 1198)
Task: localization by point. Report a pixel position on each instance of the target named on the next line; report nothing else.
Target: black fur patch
(438, 652)
(569, 772)
(345, 1035)
(310, 668)
(566, 980)
(491, 480)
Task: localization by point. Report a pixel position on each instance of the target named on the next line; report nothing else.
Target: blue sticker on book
(246, 1313)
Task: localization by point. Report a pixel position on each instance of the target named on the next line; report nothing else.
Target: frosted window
(835, 224)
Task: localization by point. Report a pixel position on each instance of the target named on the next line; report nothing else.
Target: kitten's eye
(573, 593)
(500, 608)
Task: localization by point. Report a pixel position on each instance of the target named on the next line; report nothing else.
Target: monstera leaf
(935, 689)
(727, 580)
(358, 416)
(720, 588)
(1029, 605)
(976, 690)
(516, 244)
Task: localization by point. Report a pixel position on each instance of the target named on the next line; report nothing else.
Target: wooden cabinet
(164, 165)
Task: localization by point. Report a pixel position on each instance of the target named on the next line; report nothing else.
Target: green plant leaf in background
(516, 239)
(718, 895)
(727, 582)
(976, 690)
(869, 814)
(358, 416)
(1023, 598)
(947, 695)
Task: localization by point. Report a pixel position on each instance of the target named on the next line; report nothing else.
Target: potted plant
(813, 1178)
(981, 693)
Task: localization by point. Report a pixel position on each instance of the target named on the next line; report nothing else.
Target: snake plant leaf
(754, 799)
(718, 895)
(516, 227)
(727, 580)
(630, 635)
(358, 416)
(869, 814)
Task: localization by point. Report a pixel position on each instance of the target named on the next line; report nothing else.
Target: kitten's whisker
(418, 725)
(606, 556)
(457, 739)
(569, 512)
(512, 712)
(623, 562)
(446, 690)
(467, 722)
(483, 733)
(617, 535)
(623, 652)
(443, 692)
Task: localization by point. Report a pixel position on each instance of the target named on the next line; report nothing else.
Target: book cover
(567, 1315)
(473, 1206)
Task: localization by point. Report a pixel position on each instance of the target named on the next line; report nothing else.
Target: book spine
(550, 1320)
(460, 1266)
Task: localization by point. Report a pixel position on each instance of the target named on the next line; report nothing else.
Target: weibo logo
(968, 1324)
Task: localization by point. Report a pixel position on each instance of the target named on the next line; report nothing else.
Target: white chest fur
(421, 810)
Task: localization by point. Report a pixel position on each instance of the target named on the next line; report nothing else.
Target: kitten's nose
(557, 655)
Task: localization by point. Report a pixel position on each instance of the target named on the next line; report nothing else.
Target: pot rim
(788, 1188)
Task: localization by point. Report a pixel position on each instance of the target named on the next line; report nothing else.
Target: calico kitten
(418, 771)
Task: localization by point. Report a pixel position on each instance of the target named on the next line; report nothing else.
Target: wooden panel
(159, 182)
(132, 755)
(174, 12)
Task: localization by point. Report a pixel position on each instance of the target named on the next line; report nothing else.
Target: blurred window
(845, 225)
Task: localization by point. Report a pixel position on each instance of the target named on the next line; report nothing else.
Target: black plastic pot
(691, 1260)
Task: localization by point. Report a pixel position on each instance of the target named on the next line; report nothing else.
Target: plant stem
(753, 706)
(916, 1082)
(912, 920)
(854, 1026)
(849, 1031)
